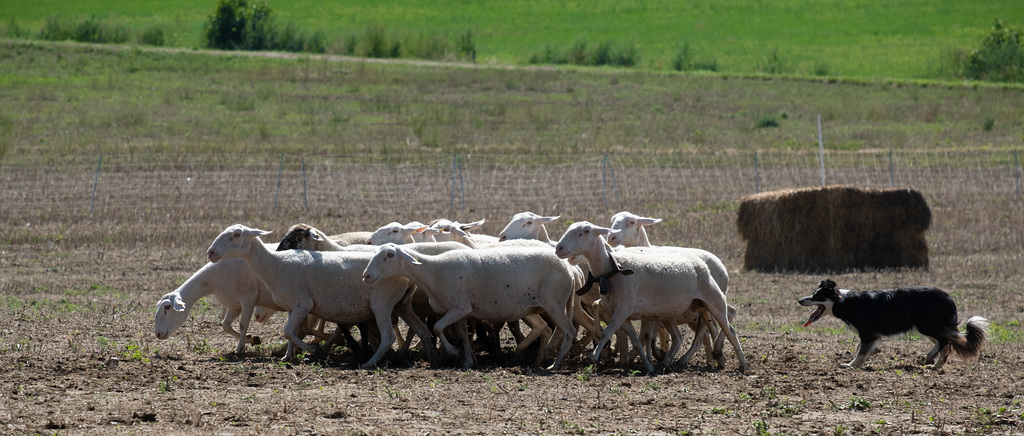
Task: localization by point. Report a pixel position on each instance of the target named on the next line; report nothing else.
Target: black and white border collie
(874, 314)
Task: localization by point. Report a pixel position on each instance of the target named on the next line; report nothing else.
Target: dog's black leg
(930, 358)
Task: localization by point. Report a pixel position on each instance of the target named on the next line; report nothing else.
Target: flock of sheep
(446, 283)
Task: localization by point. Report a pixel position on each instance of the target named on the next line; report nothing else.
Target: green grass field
(859, 38)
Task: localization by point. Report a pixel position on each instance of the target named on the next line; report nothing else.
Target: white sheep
(662, 287)
(530, 226)
(497, 284)
(449, 230)
(232, 284)
(325, 284)
(398, 233)
(628, 230)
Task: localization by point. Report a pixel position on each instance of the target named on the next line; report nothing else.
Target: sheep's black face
(292, 240)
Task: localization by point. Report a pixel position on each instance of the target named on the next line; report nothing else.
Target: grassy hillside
(72, 99)
(859, 38)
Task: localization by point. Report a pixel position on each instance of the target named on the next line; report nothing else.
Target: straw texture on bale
(834, 228)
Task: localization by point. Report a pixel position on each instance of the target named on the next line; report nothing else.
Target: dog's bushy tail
(968, 345)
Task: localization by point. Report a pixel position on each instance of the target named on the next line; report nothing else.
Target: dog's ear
(827, 284)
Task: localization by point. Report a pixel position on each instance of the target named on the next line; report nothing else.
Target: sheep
(324, 284)
(455, 231)
(628, 230)
(497, 284)
(313, 239)
(397, 233)
(528, 225)
(232, 284)
(662, 288)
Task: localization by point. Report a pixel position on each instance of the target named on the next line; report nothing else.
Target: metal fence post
(605, 168)
(821, 152)
(1016, 165)
(305, 192)
(892, 177)
(457, 167)
(280, 170)
(94, 183)
(757, 176)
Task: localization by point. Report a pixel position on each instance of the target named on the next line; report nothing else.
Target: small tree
(239, 25)
(1000, 58)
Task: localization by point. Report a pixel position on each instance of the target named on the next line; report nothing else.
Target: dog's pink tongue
(814, 315)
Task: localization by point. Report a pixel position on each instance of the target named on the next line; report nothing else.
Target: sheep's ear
(252, 233)
(600, 230)
(420, 229)
(179, 304)
(472, 225)
(459, 231)
(408, 257)
(645, 221)
(431, 231)
(315, 235)
(546, 219)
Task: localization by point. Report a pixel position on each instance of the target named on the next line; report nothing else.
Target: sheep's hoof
(253, 339)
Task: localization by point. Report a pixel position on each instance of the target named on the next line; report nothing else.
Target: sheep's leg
(564, 325)
(720, 312)
(339, 333)
(647, 332)
(387, 336)
(580, 316)
(454, 314)
(467, 345)
(398, 334)
(538, 329)
(296, 317)
(618, 321)
(417, 326)
(634, 339)
(699, 335)
(243, 329)
(230, 315)
(720, 338)
(677, 342)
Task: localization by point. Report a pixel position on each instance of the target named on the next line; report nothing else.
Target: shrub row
(583, 53)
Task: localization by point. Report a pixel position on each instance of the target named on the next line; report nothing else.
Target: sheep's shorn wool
(834, 228)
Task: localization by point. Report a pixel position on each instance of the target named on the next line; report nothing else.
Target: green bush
(239, 25)
(767, 121)
(465, 46)
(773, 64)
(1000, 57)
(14, 30)
(87, 29)
(683, 60)
(153, 35)
(244, 25)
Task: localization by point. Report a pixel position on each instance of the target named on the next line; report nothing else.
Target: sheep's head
(579, 239)
(170, 315)
(448, 230)
(396, 233)
(302, 237)
(629, 229)
(387, 262)
(526, 225)
(234, 241)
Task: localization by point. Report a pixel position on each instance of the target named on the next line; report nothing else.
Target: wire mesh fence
(120, 185)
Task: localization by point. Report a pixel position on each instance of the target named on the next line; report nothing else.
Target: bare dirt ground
(78, 355)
